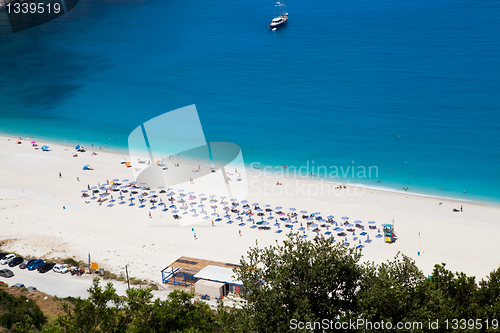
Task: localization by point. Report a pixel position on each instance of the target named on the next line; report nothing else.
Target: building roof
(218, 274)
(194, 265)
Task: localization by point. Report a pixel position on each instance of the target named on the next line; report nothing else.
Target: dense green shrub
(14, 309)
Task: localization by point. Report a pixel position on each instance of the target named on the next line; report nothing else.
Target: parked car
(31, 288)
(7, 273)
(3, 254)
(7, 259)
(61, 269)
(20, 285)
(35, 264)
(26, 263)
(46, 267)
(16, 261)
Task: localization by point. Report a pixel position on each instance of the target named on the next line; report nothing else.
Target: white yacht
(282, 17)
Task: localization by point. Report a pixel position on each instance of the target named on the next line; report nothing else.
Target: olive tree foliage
(397, 291)
(106, 311)
(298, 280)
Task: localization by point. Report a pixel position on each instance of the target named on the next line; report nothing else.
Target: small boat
(282, 17)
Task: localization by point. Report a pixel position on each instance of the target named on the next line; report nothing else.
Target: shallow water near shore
(408, 88)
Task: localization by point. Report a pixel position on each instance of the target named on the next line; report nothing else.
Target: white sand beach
(44, 215)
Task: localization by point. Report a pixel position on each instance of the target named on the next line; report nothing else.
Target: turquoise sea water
(406, 86)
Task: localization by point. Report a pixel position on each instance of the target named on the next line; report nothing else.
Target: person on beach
(240, 232)
(60, 175)
(461, 208)
(78, 178)
(195, 236)
(150, 215)
(213, 225)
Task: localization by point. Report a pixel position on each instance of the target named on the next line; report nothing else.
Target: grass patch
(71, 262)
(134, 281)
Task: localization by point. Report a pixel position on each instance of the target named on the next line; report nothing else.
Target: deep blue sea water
(407, 86)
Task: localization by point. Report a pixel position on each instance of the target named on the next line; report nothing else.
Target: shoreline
(124, 151)
(45, 215)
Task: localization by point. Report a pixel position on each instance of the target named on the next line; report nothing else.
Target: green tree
(177, 314)
(397, 291)
(300, 280)
(487, 299)
(458, 292)
(15, 309)
(103, 311)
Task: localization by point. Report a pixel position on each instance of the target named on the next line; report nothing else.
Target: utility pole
(128, 282)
